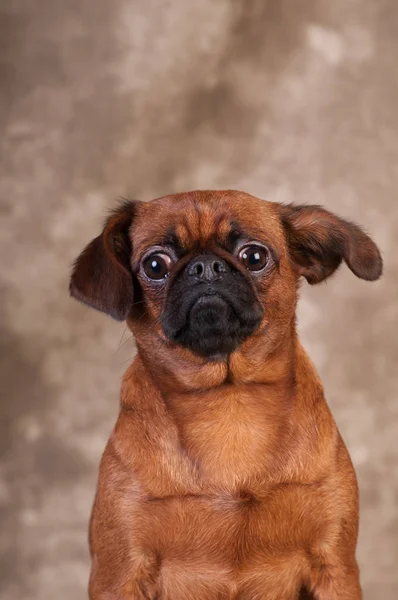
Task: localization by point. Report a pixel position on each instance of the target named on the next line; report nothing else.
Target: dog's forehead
(204, 217)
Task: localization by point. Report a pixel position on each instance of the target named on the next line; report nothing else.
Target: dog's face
(204, 267)
(208, 271)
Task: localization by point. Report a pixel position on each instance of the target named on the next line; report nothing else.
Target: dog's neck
(248, 415)
(259, 361)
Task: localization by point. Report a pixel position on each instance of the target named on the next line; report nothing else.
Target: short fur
(225, 477)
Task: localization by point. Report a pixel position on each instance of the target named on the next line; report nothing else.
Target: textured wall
(286, 99)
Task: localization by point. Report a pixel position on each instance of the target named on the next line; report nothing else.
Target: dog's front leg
(334, 573)
(125, 563)
(329, 582)
(124, 581)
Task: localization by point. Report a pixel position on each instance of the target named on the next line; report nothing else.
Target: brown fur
(223, 480)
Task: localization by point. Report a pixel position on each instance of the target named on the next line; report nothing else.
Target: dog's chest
(241, 544)
(230, 435)
(216, 520)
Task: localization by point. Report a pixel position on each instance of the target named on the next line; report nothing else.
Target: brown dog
(225, 476)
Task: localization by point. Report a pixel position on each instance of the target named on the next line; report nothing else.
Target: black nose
(207, 267)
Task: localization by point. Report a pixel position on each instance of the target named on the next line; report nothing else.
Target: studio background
(290, 100)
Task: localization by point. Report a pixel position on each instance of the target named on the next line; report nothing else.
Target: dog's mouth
(209, 302)
(213, 326)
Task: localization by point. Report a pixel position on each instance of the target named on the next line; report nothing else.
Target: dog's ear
(319, 240)
(102, 276)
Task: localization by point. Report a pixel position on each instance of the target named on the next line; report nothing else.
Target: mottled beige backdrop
(291, 100)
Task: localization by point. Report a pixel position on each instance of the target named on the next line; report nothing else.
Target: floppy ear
(102, 276)
(319, 240)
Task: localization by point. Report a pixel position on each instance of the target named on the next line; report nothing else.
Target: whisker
(120, 341)
(125, 342)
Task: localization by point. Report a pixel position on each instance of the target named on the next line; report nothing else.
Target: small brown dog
(225, 476)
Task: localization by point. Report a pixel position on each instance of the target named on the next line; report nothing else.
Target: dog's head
(207, 271)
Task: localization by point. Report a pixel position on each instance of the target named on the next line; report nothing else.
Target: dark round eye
(157, 266)
(254, 258)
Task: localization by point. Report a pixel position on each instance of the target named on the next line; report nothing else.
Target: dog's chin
(213, 329)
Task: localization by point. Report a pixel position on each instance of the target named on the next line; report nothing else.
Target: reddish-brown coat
(224, 480)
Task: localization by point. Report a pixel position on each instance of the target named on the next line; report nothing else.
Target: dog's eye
(254, 258)
(157, 266)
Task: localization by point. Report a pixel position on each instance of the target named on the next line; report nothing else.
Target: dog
(225, 477)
